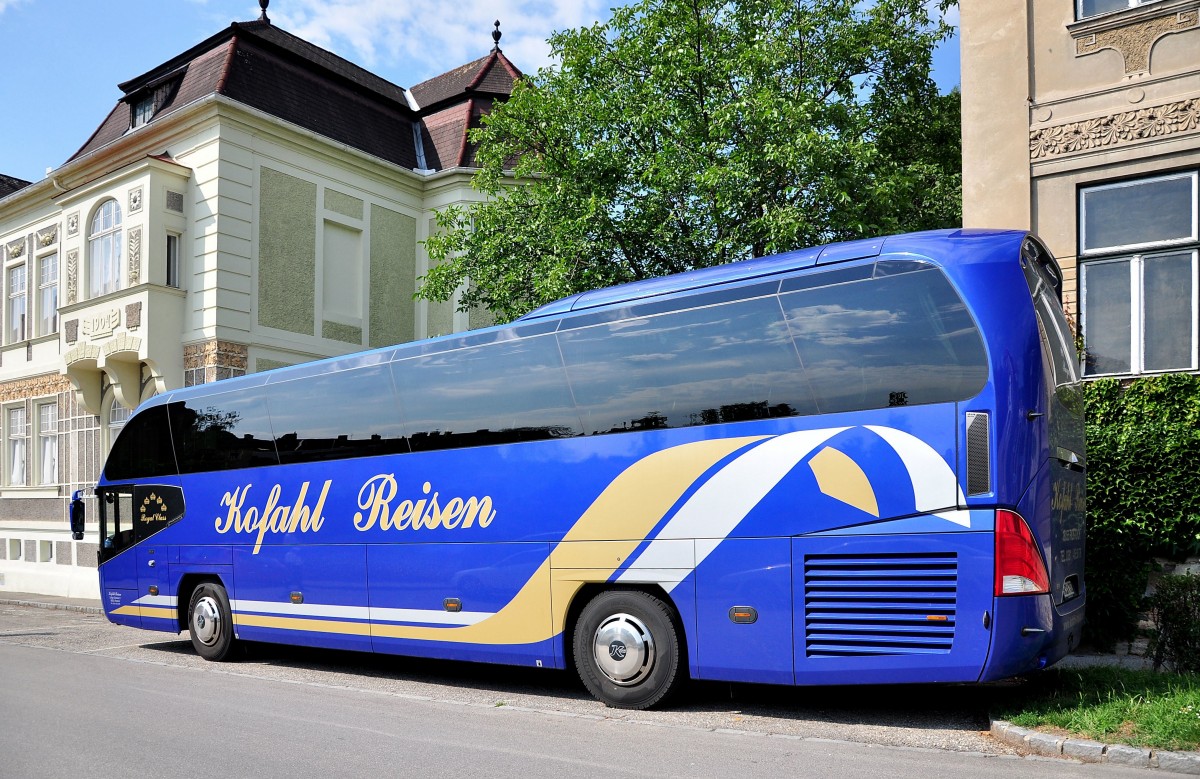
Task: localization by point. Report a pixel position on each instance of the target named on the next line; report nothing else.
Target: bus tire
(210, 622)
(627, 649)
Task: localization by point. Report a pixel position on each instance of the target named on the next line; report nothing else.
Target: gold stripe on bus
(300, 623)
(628, 509)
(146, 611)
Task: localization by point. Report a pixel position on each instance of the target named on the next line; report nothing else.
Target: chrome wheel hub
(206, 621)
(624, 649)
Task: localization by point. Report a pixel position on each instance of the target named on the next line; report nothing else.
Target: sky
(61, 60)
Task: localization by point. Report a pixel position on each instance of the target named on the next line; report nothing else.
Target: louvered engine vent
(892, 604)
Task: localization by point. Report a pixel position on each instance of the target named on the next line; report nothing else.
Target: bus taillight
(1019, 566)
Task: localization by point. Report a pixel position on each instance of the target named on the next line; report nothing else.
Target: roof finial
(263, 5)
(496, 36)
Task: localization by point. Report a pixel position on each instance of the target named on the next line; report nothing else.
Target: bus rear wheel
(210, 622)
(627, 649)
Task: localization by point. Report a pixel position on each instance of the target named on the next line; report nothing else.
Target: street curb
(1049, 745)
(45, 605)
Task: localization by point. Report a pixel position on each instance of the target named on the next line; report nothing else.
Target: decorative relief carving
(135, 200)
(71, 330)
(102, 324)
(1135, 41)
(72, 276)
(47, 236)
(1105, 131)
(15, 249)
(133, 315)
(213, 353)
(135, 254)
(33, 387)
(73, 224)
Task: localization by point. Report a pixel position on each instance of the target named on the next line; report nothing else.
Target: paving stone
(1179, 762)
(1045, 744)
(1082, 749)
(1119, 754)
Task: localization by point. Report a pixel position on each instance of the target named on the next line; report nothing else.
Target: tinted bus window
(222, 432)
(892, 340)
(346, 414)
(726, 363)
(494, 394)
(143, 448)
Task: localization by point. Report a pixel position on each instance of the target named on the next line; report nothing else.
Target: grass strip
(1114, 705)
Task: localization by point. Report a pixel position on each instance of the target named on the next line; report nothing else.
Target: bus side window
(497, 393)
(731, 362)
(890, 340)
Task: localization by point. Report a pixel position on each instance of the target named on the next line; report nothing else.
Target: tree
(688, 133)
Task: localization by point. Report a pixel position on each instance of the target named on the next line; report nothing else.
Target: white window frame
(16, 431)
(47, 441)
(1126, 248)
(105, 235)
(1137, 308)
(40, 314)
(12, 333)
(173, 269)
(1131, 4)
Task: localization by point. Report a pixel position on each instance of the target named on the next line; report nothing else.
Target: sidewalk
(83, 605)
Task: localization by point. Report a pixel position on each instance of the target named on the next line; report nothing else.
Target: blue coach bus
(857, 463)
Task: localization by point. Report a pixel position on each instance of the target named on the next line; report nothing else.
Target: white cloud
(6, 4)
(423, 36)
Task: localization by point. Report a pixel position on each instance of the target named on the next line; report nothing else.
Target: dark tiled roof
(272, 70)
(492, 75)
(9, 185)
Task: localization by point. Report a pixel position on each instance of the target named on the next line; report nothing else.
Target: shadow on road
(946, 707)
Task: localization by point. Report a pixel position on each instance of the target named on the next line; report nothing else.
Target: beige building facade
(253, 203)
(1081, 121)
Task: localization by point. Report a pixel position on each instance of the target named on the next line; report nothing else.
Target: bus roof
(935, 245)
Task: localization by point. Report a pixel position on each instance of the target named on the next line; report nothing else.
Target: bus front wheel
(210, 622)
(627, 649)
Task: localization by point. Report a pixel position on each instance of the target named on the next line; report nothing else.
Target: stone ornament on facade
(72, 276)
(133, 315)
(36, 386)
(135, 254)
(73, 224)
(15, 249)
(71, 330)
(1135, 40)
(102, 324)
(1102, 132)
(47, 237)
(135, 200)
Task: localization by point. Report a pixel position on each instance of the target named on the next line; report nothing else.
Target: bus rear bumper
(1029, 633)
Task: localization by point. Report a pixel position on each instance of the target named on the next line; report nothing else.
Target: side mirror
(75, 515)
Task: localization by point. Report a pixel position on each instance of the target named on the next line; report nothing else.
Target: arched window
(104, 250)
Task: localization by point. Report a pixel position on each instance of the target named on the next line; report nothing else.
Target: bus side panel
(487, 600)
(330, 581)
(746, 572)
(119, 589)
(892, 609)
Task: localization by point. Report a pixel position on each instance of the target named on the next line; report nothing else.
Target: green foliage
(1143, 708)
(688, 133)
(1143, 447)
(1175, 609)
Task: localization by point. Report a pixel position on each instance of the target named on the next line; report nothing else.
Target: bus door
(134, 571)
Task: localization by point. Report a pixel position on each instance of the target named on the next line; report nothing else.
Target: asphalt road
(79, 696)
